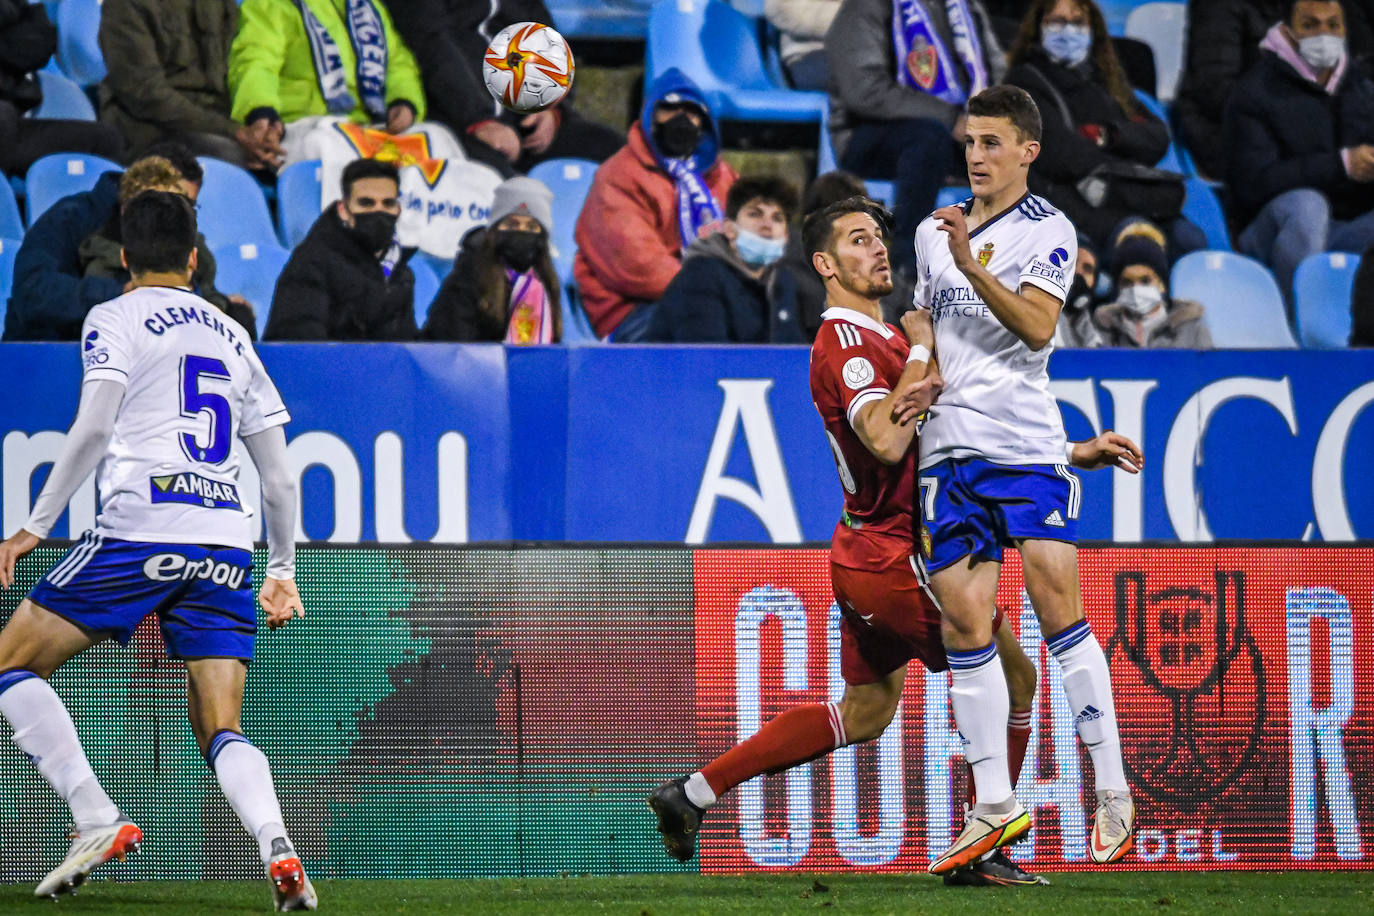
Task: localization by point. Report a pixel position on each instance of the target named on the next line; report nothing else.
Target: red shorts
(887, 618)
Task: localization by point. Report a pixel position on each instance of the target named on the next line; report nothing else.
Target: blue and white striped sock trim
(223, 738)
(1069, 637)
(973, 658)
(12, 676)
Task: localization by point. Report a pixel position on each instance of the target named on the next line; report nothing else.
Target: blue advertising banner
(454, 443)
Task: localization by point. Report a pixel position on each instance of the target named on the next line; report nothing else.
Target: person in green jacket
(296, 61)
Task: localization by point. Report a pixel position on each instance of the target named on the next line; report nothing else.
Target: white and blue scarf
(923, 61)
(367, 34)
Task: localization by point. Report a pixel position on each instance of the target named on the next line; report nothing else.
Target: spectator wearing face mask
(1076, 327)
(1144, 315)
(732, 288)
(349, 279)
(503, 286)
(1299, 134)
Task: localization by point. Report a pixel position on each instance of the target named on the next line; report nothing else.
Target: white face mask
(1141, 299)
(1322, 52)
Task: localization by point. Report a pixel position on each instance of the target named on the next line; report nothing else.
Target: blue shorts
(203, 596)
(974, 507)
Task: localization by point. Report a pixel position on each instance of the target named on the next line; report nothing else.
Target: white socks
(1088, 687)
(978, 694)
(246, 780)
(44, 731)
(699, 791)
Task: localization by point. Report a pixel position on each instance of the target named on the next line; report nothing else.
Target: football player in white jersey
(994, 271)
(169, 383)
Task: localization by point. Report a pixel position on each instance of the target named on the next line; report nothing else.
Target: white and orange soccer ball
(528, 67)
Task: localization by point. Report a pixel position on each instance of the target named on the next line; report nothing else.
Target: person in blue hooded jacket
(660, 192)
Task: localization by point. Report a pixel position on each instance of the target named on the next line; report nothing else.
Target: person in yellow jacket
(294, 62)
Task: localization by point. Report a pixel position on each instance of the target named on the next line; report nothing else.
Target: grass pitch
(1097, 893)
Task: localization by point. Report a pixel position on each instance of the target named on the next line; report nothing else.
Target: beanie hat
(1141, 247)
(523, 195)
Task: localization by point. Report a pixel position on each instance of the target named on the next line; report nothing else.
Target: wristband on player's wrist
(1068, 451)
(919, 354)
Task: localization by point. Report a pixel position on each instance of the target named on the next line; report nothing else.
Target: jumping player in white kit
(169, 383)
(994, 271)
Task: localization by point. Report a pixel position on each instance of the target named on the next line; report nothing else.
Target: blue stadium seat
(60, 175)
(1116, 12)
(1176, 158)
(11, 224)
(624, 19)
(298, 200)
(880, 190)
(251, 271)
(948, 197)
(1321, 294)
(8, 249)
(718, 47)
(569, 180)
(1244, 308)
(62, 99)
(78, 51)
(426, 288)
(1203, 208)
(1161, 26)
(232, 210)
(577, 329)
(441, 266)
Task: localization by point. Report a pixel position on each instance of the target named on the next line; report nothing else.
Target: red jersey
(856, 361)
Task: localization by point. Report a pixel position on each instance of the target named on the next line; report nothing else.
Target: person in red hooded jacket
(659, 192)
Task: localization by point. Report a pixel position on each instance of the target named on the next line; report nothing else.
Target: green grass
(1098, 893)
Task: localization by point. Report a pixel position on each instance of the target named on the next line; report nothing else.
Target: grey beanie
(523, 195)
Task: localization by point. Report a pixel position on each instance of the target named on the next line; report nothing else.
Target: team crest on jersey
(926, 545)
(985, 254)
(194, 490)
(923, 63)
(858, 373)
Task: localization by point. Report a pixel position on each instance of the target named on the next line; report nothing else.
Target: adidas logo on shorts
(1055, 519)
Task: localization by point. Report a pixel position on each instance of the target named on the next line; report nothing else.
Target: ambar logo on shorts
(169, 567)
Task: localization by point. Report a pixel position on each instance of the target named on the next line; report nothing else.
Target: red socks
(792, 738)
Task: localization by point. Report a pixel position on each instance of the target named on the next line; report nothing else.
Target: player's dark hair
(830, 187)
(819, 225)
(158, 229)
(359, 169)
(181, 158)
(1012, 103)
(768, 188)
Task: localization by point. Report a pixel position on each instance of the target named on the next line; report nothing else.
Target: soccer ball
(528, 67)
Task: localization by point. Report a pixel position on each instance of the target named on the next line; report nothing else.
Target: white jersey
(996, 403)
(192, 384)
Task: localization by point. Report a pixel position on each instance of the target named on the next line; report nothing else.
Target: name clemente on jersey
(174, 316)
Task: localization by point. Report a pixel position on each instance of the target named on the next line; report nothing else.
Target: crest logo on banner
(923, 62)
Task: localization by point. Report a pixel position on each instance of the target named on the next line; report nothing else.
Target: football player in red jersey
(870, 383)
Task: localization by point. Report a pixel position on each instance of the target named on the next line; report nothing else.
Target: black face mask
(1080, 294)
(374, 229)
(518, 249)
(678, 136)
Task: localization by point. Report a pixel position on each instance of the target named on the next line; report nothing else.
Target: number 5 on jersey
(195, 402)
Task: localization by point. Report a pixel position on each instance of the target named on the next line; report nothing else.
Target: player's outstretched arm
(278, 596)
(1105, 451)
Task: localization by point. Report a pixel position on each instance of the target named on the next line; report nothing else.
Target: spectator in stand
(731, 288)
(802, 25)
(449, 38)
(27, 42)
(907, 122)
(660, 192)
(1300, 143)
(1362, 302)
(1076, 327)
(349, 279)
(1144, 315)
(1099, 143)
(167, 78)
(503, 286)
(295, 62)
(70, 260)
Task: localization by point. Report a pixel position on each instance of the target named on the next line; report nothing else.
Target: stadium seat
(1176, 158)
(1203, 208)
(8, 249)
(1116, 13)
(569, 180)
(78, 51)
(60, 175)
(1322, 287)
(619, 19)
(440, 265)
(250, 270)
(231, 207)
(718, 47)
(1162, 26)
(947, 197)
(577, 329)
(298, 200)
(62, 99)
(426, 288)
(1244, 307)
(11, 224)
(880, 190)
